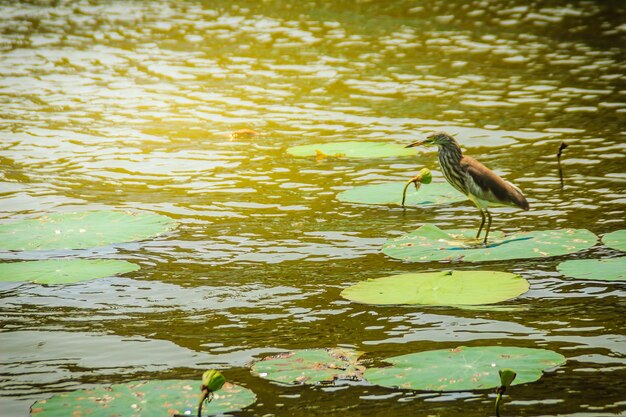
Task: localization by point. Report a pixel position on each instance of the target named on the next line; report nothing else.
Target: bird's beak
(418, 143)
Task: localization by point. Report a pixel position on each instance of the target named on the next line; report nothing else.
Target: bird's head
(435, 138)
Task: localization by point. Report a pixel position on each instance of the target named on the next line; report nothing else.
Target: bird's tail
(518, 198)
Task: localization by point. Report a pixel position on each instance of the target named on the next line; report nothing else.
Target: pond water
(129, 105)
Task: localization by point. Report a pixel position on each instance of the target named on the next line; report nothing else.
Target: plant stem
(413, 180)
(498, 400)
(558, 159)
(205, 394)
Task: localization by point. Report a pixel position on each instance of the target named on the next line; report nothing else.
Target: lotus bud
(426, 176)
(213, 380)
(507, 376)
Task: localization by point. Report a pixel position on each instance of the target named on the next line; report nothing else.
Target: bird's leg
(482, 223)
(488, 226)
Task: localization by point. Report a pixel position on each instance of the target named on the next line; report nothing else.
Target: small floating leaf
(613, 269)
(310, 366)
(82, 230)
(142, 399)
(429, 243)
(391, 194)
(63, 271)
(616, 240)
(463, 368)
(439, 288)
(351, 150)
(243, 133)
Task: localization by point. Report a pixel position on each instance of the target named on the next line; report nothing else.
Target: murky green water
(128, 105)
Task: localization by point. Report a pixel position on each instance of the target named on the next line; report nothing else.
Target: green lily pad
(82, 230)
(463, 368)
(439, 288)
(143, 399)
(351, 150)
(63, 271)
(429, 243)
(311, 366)
(595, 269)
(616, 240)
(391, 194)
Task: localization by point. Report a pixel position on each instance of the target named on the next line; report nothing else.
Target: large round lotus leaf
(311, 366)
(429, 243)
(143, 399)
(82, 230)
(447, 288)
(63, 271)
(595, 269)
(391, 193)
(351, 150)
(463, 368)
(616, 240)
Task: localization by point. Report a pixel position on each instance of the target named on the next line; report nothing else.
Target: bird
(480, 184)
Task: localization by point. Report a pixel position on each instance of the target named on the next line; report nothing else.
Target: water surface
(129, 105)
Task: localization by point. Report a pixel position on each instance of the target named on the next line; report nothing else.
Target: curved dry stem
(558, 159)
(404, 191)
(415, 180)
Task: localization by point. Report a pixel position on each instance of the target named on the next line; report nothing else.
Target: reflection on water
(129, 105)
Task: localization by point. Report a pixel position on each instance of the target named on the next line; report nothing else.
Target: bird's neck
(451, 151)
(450, 161)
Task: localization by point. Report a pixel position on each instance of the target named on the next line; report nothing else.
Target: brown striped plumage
(480, 184)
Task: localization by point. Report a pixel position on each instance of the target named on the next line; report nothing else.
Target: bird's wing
(487, 185)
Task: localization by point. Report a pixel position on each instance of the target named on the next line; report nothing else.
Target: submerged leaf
(142, 399)
(613, 269)
(616, 240)
(63, 271)
(429, 243)
(463, 368)
(391, 194)
(439, 288)
(310, 366)
(351, 150)
(82, 230)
